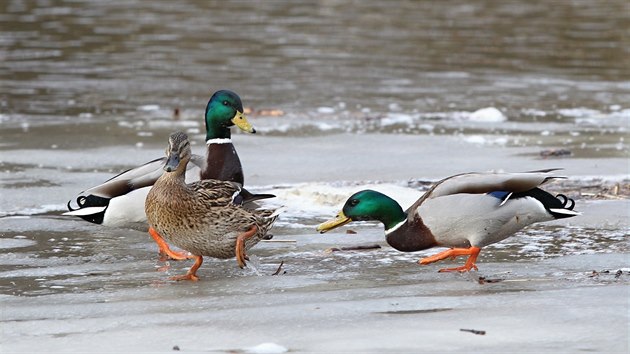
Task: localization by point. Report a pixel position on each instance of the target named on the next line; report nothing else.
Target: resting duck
(464, 212)
(119, 202)
(201, 217)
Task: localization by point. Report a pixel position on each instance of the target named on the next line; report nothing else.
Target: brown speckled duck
(463, 212)
(202, 217)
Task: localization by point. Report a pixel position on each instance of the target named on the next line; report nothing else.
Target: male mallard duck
(464, 212)
(119, 202)
(201, 217)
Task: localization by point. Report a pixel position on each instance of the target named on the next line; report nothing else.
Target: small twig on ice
(279, 268)
(353, 248)
(473, 331)
(483, 280)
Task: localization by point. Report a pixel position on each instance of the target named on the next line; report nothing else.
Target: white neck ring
(219, 141)
(396, 227)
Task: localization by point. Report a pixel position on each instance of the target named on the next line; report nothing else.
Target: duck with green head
(119, 202)
(223, 111)
(464, 212)
(202, 217)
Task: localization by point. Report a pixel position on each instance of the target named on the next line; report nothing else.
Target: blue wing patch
(499, 194)
(503, 196)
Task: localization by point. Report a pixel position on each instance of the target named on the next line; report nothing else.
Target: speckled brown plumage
(200, 217)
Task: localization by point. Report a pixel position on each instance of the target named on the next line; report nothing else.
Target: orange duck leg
(192, 272)
(240, 246)
(471, 252)
(165, 250)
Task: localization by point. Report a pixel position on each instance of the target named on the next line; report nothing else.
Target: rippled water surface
(86, 59)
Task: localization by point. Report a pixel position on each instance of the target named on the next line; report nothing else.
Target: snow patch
(266, 348)
(487, 115)
(149, 107)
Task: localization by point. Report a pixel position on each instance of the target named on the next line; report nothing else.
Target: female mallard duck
(464, 212)
(201, 217)
(119, 202)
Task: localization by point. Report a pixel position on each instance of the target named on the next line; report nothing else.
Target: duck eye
(354, 202)
(225, 103)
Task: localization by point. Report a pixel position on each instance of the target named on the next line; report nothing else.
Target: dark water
(84, 60)
(371, 92)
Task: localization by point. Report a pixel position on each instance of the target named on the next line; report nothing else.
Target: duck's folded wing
(120, 184)
(216, 193)
(129, 180)
(479, 183)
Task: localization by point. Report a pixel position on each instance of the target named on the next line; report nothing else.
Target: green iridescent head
(224, 110)
(367, 205)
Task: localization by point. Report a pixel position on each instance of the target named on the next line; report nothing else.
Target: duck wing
(128, 181)
(216, 193)
(220, 193)
(480, 183)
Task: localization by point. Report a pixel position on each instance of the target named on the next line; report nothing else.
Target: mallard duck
(119, 202)
(463, 212)
(201, 217)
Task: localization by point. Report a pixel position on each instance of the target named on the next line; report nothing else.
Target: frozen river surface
(69, 285)
(388, 95)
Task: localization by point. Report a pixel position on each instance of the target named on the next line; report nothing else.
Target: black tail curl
(553, 204)
(80, 203)
(89, 201)
(71, 208)
(565, 201)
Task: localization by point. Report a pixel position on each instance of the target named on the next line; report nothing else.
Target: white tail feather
(85, 211)
(565, 211)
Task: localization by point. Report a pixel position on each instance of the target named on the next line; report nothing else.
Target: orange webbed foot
(471, 252)
(192, 272)
(186, 276)
(241, 257)
(464, 268)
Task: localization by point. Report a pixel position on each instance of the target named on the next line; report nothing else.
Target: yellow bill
(339, 220)
(241, 121)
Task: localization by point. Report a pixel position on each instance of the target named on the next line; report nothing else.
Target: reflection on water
(90, 59)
